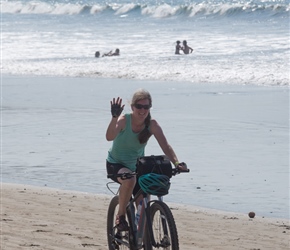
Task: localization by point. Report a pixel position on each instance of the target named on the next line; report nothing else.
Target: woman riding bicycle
(130, 133)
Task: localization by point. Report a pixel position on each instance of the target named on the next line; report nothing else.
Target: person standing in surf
(177, 48)
(186, 49)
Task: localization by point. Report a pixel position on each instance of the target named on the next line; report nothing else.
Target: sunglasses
(140, 106)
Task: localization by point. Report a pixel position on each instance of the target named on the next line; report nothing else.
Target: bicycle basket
(155, 184)
(159, 164)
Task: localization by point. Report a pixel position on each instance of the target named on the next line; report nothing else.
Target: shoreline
(109, 78)
(184, 206)
(49, 218)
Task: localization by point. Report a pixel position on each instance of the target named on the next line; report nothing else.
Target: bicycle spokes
(165, 241)
(164, 233)
(160, 230)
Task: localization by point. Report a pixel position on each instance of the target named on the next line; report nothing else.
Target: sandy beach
(46, 218)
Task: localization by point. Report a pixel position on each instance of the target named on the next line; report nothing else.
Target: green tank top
(126, 147)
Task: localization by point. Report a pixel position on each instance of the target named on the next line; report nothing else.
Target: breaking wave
(202, 9)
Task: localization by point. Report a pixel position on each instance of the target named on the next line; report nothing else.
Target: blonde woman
(130, 133)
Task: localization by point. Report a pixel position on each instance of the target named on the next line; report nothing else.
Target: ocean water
(234, 139)
(235, 42)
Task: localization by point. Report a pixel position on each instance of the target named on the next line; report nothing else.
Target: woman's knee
(128, 182)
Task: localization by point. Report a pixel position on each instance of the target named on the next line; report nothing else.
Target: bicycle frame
(143, 235)
(138, 231)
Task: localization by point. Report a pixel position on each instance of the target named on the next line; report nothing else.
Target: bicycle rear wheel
(163, 227)
(116, 240)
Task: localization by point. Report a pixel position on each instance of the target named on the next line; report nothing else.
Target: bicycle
(156, 227)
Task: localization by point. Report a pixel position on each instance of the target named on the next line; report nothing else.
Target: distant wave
(156, 11)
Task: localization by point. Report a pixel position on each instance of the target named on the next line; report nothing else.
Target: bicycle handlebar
(128, 175)
(176, 171)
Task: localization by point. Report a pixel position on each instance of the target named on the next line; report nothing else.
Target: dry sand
(45, 218)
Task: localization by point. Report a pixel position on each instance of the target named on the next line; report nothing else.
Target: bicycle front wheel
(163, 227)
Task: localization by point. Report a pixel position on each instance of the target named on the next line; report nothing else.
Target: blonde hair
(142, 94)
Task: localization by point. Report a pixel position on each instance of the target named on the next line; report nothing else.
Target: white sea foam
(152, 8)
(60, 38)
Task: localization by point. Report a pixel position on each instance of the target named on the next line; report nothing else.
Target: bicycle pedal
(118, 236)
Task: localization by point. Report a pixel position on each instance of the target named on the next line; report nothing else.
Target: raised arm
(117, 122)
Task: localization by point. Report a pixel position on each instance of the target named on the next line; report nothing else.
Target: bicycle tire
(111, 230)
(165, 234)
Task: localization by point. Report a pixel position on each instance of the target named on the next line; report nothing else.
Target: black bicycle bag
(158, 164)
